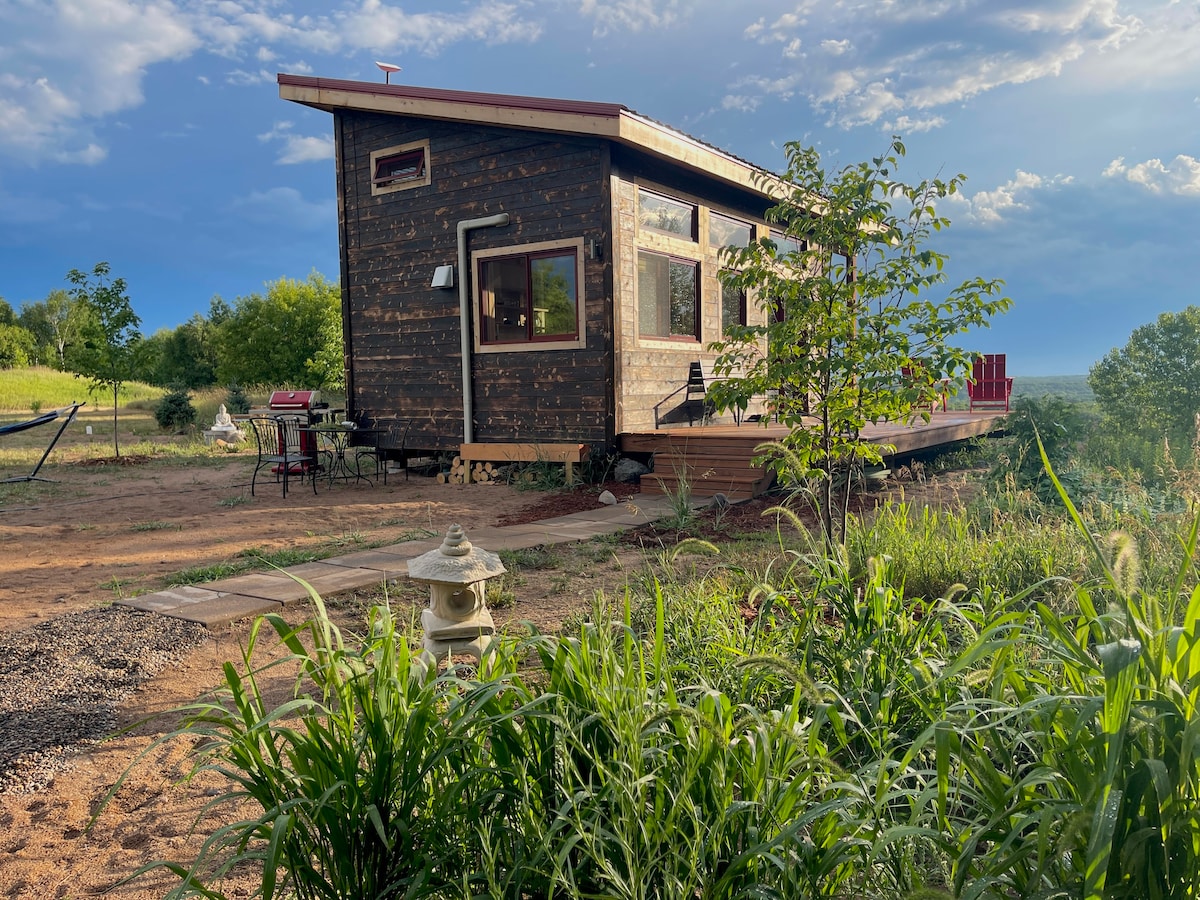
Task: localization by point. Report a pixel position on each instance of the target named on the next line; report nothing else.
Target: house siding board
(405, 358)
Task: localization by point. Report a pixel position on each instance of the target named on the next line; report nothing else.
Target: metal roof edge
(608, 120)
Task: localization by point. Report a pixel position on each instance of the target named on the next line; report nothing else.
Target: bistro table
(336, 440)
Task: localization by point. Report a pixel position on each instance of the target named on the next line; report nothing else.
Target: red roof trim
(508, 101)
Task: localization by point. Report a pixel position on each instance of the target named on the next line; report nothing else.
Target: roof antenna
(388, 69)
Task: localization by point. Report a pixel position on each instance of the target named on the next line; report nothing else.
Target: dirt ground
(106, 531)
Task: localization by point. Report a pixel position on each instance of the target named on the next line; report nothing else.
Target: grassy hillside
(38, 387)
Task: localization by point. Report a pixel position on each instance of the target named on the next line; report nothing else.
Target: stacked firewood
(460, 469)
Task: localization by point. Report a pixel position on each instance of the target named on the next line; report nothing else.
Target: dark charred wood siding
(402, 336)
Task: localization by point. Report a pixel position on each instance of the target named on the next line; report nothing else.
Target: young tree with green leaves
(848, 307)
(109, 350)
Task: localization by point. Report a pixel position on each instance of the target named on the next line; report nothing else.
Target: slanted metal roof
(580, 117)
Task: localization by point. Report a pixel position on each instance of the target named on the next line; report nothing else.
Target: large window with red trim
(529, 297)
(668, 296)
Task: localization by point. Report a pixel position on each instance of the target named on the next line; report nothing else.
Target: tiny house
(521, 269)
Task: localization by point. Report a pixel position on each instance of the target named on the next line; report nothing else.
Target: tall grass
(38, 387)
(1021, 723)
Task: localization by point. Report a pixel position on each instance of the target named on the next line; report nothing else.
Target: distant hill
(1069, 387)
(1073, 388)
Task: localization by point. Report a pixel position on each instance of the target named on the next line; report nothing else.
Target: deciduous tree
(1152, 384)
(109, 347)
(291, 336)
(56, 322)
(849, 303)
(16, 346)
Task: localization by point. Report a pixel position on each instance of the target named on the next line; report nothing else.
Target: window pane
(683, 299)
(666, 215)
(653, 294)
(724, 232)
(529, 297)
(505, 299)
(786, 244)
(733, 306)
(554, 294)
(666, 296)
(407, 166)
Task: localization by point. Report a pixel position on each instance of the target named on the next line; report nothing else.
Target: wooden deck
(718, 458)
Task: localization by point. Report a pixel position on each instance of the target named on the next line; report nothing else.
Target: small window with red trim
(398, 168)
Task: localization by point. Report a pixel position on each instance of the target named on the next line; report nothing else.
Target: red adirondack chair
(989, 387)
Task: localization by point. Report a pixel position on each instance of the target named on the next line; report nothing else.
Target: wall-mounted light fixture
(443, 277)
(595, 249)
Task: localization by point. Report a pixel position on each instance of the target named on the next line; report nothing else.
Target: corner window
(726, 232)
(530, 296)
(667, 216)
(399, 168)
(667, 296)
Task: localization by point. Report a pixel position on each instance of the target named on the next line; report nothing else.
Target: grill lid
(294, 399)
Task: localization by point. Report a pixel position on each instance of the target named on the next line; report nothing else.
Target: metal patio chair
(279, 445)
(389, 446)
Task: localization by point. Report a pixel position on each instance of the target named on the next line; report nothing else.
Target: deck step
(737, 481)
(735, 491)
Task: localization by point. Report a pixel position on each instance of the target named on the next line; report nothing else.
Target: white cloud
(995, 207)
(298, 148)
(1181, 176)
(916, 56)
(67, 64)
(913, 125)
(78, 60)
(377, 26)
(285, 206)
(243, 78)
(741, 103)
(630, 15)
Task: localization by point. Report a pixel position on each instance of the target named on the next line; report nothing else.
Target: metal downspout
(464, 314)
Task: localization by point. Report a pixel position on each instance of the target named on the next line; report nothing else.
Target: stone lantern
(457, 617)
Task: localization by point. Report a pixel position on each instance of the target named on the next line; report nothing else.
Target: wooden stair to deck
(711, 464)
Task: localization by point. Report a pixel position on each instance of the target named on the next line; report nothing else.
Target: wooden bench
(567, 454)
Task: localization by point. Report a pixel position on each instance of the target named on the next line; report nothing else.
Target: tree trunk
(116, 446)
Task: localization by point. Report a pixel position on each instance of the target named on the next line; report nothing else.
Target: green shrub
(175, 411)
(237, 402)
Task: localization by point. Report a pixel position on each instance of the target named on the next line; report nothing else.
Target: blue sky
(151, 135)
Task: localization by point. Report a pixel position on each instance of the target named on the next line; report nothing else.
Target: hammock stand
(67, 414)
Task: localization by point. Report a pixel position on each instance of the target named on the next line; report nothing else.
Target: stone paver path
(220, 602)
